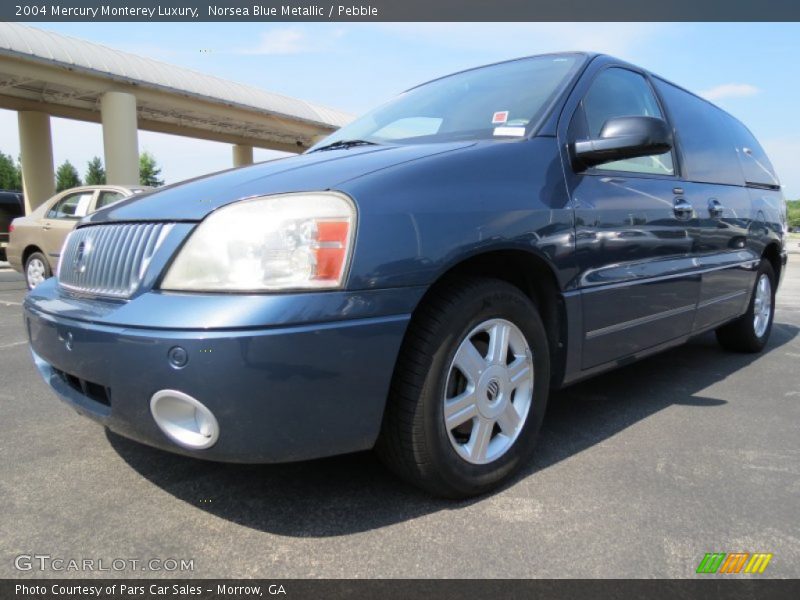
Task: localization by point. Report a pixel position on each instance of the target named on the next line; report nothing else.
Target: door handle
(715, 209)
(46, 226)
(683, 210)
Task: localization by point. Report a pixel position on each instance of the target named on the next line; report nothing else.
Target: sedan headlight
(281, 242)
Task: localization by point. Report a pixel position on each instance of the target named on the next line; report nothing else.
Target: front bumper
(279, 392)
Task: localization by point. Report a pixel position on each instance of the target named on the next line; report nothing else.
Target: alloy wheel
(35, 272)
(762, 305)
(489, 391)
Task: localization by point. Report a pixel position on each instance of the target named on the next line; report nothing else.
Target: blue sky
(750, 69)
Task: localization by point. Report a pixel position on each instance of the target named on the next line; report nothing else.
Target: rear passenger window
(704, 136)
(757, 168)
(618, 92)
(72, 206)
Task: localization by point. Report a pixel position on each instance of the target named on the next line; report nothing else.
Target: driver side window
(618, 92)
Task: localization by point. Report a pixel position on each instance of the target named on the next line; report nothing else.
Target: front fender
(419, 219)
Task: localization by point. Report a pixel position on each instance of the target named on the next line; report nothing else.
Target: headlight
(281, 242)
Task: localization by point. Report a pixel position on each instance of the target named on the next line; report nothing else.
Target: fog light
(185, 420)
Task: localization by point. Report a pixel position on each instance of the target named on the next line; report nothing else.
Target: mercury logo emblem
(79, 264)
(493, 390)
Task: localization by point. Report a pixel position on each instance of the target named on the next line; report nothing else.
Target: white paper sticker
(510, 131)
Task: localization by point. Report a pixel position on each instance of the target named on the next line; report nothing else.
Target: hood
(324, 170)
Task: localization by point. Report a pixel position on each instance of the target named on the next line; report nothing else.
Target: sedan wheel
(36, 270)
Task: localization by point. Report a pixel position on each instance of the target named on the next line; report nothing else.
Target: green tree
(149, 170)
(10, 176)
(793, 207)
(67, 177)
(95, 173)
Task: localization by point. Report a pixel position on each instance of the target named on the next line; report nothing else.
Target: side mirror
(624, 137)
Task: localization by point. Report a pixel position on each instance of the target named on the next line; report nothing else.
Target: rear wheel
(37, 269)
(470, 389)
(750, 332)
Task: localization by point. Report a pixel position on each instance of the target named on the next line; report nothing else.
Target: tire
(37, 269)
(747, 333)
(457, 317)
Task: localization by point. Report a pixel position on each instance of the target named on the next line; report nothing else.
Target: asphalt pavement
(639, 473)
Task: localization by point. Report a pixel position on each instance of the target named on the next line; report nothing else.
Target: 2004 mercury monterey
(418, 281)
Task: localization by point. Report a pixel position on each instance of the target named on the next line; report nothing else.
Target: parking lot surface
(639, 473)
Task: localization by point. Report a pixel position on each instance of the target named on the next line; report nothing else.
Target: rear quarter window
(704, 136)
(757, 168)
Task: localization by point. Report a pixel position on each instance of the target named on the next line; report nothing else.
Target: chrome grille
(109, 260)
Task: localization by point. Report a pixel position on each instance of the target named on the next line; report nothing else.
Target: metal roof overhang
(67, 77)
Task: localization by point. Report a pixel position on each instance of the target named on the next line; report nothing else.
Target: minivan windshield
(498, 101)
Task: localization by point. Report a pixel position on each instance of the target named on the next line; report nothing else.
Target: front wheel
(750, 332)
(37, 269)
(470, 389)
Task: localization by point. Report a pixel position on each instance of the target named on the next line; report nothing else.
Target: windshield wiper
(344, 144)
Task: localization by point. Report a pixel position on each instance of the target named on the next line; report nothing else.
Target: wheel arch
(773, 254)
(535, 277)
(30, 249)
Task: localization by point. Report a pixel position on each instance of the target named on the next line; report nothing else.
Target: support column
(242, 155)
(120, 138)
(36, 150)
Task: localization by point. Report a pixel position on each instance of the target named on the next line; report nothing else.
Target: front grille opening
(93, 391)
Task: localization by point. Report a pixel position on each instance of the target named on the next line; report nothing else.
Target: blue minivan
(418, 281)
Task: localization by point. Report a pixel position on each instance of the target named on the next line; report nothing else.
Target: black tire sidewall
(499, 301)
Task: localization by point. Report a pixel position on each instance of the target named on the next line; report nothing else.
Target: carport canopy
(44, 73)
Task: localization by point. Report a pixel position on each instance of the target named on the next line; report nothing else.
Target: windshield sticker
(500, 117)
(510, 131)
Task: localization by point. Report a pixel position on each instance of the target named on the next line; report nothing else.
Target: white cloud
(730, 90)
(282, 41)
(294, 40)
